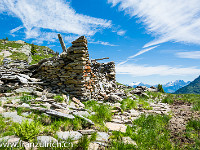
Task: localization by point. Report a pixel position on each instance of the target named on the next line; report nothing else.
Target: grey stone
(116, 126)
(74, 135)
(46, 139)
(128, 140)
(102, 137)
(15, 117)
(25, 90)
(89, 131)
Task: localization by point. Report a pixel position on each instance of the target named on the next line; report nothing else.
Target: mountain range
(169, 87)
(192, 88)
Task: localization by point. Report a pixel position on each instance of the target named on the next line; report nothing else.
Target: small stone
(116, 127)
(74, 135)
(46, 139)
(89, 131)
(102, 137)
(93, 146)
(128, 140)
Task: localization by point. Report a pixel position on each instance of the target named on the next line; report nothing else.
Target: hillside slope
(20, 50)
(192, 88)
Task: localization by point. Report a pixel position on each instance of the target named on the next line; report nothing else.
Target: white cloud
(137, 54)
(121, 32)
(144, 70)
(167, 20)
(102, 43)
(53, 16)
(16, 29)
(192, 54)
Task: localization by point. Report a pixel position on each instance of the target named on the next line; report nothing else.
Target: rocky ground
(48, 104)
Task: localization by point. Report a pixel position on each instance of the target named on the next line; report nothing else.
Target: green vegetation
(27, 130)
(149, 132)
(168, 99)
(160, 88)
(18, 56)
(192, 88)
(193, 133)
(37, 58)
(33, 50)
(102, 114)
(59, 98)
(26, 98)
(128, 104)
(1, 60)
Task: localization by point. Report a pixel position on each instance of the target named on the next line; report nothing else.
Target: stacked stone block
(72, 72)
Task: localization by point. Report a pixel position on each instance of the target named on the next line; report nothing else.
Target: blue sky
(150, 41)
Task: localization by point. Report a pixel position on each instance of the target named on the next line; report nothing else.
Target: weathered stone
(46, 139)
(74, 135)
(15, 117)
(128, 140)
(102, 137)
(115, 127)
(89, 131)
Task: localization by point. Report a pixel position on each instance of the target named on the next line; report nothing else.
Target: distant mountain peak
(169, 87)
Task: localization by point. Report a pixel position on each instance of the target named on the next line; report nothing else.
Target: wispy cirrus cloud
(169, 20)
(146, 70)
(102, 43)
(137, 54)
(121, 32)
(44, 17)
(191, 54)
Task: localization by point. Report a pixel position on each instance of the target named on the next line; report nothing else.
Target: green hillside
(20, 50)
(192, 88)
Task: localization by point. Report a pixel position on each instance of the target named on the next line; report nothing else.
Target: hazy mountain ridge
(192, 88)
(169, 87)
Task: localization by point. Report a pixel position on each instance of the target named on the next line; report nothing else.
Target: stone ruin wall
(72, 72)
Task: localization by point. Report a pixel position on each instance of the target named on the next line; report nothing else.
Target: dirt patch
(182, 113)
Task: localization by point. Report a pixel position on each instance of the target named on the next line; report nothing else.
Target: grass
(127, 104)
(193, 133)
(150, 132)
(37, 58)
(102, 114)
(19, 56)
(58, 98)
(168, 99)
(26, 98)
(1, 60)
(27, 131)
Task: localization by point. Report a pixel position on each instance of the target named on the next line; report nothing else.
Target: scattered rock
(46, 139)
(74, 135)
(102, 137)
(116, 127)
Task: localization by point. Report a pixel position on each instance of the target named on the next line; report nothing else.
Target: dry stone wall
(72, 72)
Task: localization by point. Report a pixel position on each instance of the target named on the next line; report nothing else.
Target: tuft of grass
(19, 56)
(193, 133)
(102, 113)
(1, 60)
(128, 104)
(168, 99)
(196, 105)
(27, 131)
(37, 58)
(150, 132)
(59, 98)
(26, 98)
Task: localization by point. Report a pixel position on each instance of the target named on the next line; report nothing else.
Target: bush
(33, 49)
(160, 88)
